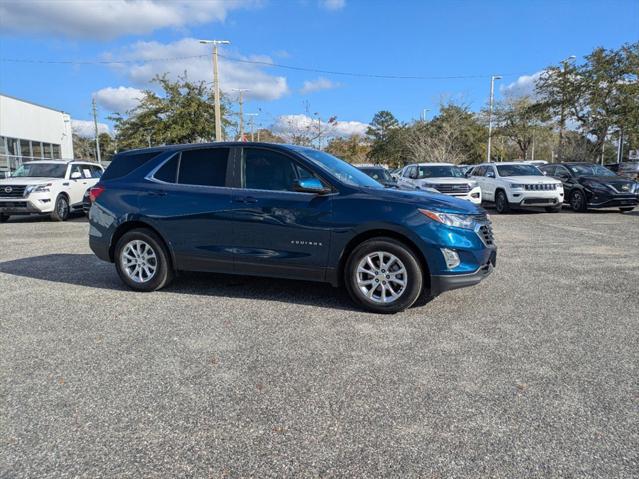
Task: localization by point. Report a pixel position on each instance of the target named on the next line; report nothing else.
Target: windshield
(41, 170)
(379, 174)
(343, 171)
(590, 170)
(440, 171)
(518, 170)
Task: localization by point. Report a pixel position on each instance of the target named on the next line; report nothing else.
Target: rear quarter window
(124, 164)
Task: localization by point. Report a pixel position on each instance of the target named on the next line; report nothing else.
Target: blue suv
(283, 211)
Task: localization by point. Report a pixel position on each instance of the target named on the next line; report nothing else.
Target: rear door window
(125, 163)
(204, 167)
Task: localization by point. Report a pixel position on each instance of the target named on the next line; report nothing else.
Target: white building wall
(27, 121)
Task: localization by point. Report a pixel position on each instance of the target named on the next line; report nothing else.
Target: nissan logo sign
(8, 189)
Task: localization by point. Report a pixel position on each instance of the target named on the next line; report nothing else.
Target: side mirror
(310, 185)
(490, 174)
(543, 172)
(76, 175)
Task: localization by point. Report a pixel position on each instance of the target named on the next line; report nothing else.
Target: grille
(15, 191)
(486, 234)
(538, 201)
(448, 189)
(540, 187)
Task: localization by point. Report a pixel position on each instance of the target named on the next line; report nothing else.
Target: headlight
(596, 186)
(516, 186)
(37, 189)
(449, 219)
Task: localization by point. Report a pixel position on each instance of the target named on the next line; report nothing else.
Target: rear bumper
(447, 282)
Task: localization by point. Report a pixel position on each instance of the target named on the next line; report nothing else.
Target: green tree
(601, 94)
(386, 136)
(183, 112)
(352, 149)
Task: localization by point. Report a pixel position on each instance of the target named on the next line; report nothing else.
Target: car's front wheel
(501, 203)
(142, 261)
(383, 276)
(61, 209)
(578, 201)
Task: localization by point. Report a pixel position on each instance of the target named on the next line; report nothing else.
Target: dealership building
(29, 131)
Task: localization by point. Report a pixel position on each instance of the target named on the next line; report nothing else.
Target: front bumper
(23, 206)
(613, 201)
(447, 282)
(532, 199)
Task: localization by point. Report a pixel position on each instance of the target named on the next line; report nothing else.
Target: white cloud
(318, 84)
(523, 86)
(291, 125)
(86, 129)
(188, 55)
(120, 100)
(113, 18)
(332, 4)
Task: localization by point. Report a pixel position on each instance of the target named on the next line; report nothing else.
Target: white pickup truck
(47, 187)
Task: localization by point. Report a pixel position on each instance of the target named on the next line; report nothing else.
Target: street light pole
(241, 101)
(216, 86)
(424, 111)
(490, 114)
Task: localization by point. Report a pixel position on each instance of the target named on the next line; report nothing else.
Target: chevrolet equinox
(283, 211)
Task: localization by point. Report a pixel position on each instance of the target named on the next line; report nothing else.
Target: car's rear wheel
(61, 209)
(142, 261)
(4, 218)
(578, 201)
(624, 210)
(501, 203)
(383, 276)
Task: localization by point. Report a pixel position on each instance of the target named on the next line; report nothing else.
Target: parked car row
(530, 184)
(53, 187)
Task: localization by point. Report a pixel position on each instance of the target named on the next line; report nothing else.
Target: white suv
(54, 187)
(517, 185)
(444, 178)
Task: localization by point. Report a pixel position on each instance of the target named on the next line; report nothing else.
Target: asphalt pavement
(532, 373)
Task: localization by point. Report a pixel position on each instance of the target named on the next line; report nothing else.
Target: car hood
(617, 181)
(27, 180)
(445, 180)
(424, 199)
(531, 180)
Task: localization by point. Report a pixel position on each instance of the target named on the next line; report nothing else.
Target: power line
(257, 62)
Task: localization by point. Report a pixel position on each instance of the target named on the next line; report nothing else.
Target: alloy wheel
(139, 261)
(381, 277)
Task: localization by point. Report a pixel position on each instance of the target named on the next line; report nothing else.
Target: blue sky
(409, 38)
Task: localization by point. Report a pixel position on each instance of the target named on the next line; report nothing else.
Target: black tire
(413, 276)
(4, 218)
(163, 274)
(553, 209)
(578, 201)
(61, 209)
(625, 210)
(501, 203)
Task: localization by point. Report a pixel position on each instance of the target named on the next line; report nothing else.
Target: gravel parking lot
(532, 373)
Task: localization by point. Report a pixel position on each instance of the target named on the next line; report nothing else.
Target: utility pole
(562, 113)
(251, 116)
(241, 102)
(424, 111)
(490, 114)
(620, 147)
(97, 136)
(216, 86)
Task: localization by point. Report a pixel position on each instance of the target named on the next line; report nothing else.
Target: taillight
(95, 192)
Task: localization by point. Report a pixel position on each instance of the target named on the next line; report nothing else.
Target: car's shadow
(87, 270)
(75, 217)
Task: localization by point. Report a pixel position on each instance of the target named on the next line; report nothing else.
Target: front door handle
(250, 200)
(158, 193)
